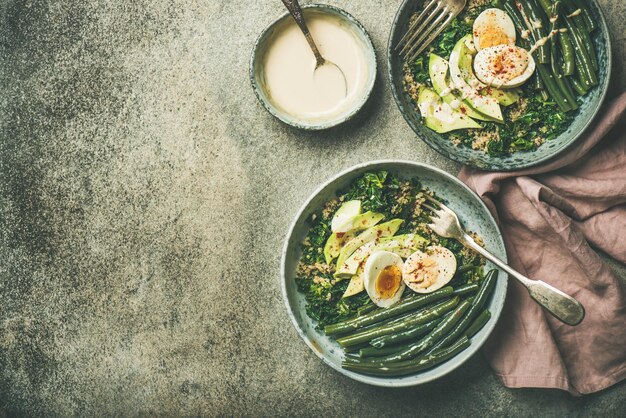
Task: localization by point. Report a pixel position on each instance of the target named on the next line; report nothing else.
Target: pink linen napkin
(550, 217)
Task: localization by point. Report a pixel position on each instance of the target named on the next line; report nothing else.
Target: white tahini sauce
(289, 67)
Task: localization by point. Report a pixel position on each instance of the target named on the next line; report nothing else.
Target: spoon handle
(294, 8)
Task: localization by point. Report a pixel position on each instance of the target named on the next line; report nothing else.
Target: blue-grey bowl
(257, 77)
(590, 105)
(474, 216)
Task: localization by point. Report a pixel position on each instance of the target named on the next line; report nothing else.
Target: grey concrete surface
(144, 199)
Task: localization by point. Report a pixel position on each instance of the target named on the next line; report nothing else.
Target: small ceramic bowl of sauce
(282, 68)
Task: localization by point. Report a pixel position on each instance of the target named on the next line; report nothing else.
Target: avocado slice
(358, 223)
(466, 62)
(463, 78)
(334, 244)
(504, 97)
(403, 245)
(383, 230)
(438, 71)
(439, 116)
(356, 285)
(342, 221)
(365, 220)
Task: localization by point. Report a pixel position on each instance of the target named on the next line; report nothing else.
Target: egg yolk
(492, 37)
(510, 64)
(388, 282)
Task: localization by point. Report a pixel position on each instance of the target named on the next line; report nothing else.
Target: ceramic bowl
(470, 209)
(589, 108)
(258, 81)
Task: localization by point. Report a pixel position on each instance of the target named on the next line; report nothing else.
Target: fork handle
(559, 304)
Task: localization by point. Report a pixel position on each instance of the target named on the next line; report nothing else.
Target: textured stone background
(144, 198)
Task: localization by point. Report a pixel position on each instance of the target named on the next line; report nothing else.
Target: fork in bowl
(437, 14)
(562, 306)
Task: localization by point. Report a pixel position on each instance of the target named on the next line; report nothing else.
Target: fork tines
(437, 14)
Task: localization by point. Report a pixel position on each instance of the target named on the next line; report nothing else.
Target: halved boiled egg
(427, 271)
(383, 278)
(493, 27)
(503, 66)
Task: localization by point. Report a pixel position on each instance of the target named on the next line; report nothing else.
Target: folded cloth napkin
(550, 217)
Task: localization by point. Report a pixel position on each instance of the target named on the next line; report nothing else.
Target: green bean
(543, 73)
(486, 288)
(580, 25)
(397, 319)
(466, 289)
(590, 22)
(581, 51)
(443, 328)
(571, 40)
(349, 356)
(565, 96)
(408, 362)
(408, 304)
(380, 352)
(511, 8)
(478, 323)
(422, 317)
(412, 366)
(569, 92)
(578, 86)
(389, 321)
(556, 84)
(546, 5)
(560, 79)
(537, 84)
(550, 83)
(565, 43)
(394, 340)
(355, 348)
(591, 50)
(410, 334)
(366, 308)
(465, 268)
(567, 51)
(535, 23)
(518, 21)
(367, 350)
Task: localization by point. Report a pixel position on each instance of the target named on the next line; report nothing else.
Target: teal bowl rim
(498, 167)
(418, 379)
(358, 105)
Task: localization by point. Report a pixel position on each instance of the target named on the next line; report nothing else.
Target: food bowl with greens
(508, 84)
(374, 292)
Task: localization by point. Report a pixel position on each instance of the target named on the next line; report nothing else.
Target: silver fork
(564, 307)
(437, 14)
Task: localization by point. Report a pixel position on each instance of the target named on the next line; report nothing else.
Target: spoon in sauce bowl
(325, 73)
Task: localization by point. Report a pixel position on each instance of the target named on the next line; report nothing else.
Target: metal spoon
(329, 68)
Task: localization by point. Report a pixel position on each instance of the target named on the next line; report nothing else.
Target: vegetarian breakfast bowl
(506, 85)
(366, 283)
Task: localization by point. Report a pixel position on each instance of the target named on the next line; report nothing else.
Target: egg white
(505, 66)
(375, 264)
(493, 27)
(436, 266)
